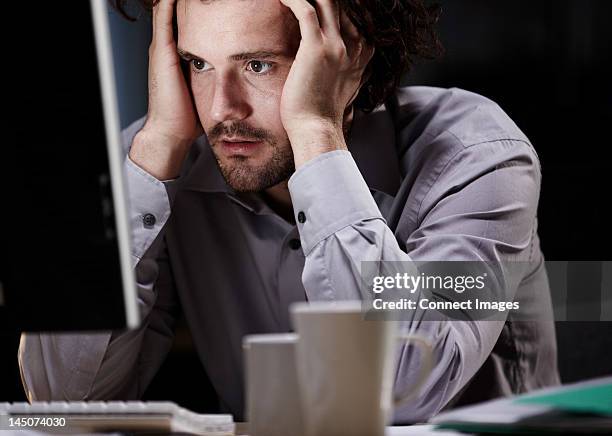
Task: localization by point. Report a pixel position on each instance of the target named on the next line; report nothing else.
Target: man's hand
(172, 124)
(324, 79)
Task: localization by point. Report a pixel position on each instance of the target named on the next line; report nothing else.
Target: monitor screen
(64, 245)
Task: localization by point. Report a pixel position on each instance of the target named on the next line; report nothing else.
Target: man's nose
(228, 101)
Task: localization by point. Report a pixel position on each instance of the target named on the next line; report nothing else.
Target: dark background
(547, 63)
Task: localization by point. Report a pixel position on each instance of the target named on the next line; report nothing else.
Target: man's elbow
(31, 369)
(439, 387)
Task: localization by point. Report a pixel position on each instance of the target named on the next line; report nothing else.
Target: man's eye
(200, 65)
(259, 67)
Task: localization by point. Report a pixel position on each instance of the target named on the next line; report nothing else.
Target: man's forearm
(314, 139)
(162, 157)
(340, 228)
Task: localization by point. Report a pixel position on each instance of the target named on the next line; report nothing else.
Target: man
(293, 184)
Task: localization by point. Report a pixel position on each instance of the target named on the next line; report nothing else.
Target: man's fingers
(359, 51)
(307, 18)
(349, 31)
(163, 13)
(329, 17)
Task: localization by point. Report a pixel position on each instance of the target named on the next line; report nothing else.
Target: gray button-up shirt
(416, 185)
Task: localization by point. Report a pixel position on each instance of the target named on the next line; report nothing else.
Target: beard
(243, 176)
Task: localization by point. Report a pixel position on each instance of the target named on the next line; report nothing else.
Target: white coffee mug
(346, 367)
(272, 391)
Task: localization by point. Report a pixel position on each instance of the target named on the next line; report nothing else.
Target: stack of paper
(580, 408)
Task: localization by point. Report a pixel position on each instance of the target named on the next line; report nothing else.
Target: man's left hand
(324, 79)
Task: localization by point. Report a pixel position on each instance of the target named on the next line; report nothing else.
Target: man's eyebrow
(187, 56)
(258, 54)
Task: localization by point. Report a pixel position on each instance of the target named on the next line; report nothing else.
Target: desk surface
(242, 430)
(414, 430)
(411, 430)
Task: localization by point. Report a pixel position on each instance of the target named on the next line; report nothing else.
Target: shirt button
(295, 244)
(148, 219)
(301, 217)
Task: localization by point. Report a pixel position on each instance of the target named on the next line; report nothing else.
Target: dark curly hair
(401, 31)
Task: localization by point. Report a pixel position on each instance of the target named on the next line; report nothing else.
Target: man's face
(241, 52)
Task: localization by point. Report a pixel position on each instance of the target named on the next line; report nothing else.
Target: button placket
(290, 268)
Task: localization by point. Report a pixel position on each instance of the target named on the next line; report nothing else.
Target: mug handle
(425, 367)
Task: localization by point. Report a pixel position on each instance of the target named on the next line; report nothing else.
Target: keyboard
(112, 416)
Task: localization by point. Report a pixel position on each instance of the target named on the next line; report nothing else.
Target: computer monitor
(64, 241)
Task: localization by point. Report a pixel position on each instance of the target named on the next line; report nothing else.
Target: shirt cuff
(149, 201)
(329, 194)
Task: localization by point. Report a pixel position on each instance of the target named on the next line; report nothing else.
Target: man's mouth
(239, 146)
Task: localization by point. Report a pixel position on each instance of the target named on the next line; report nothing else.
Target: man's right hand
(172, 123)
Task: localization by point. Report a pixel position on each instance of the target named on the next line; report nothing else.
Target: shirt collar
(371, 141)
